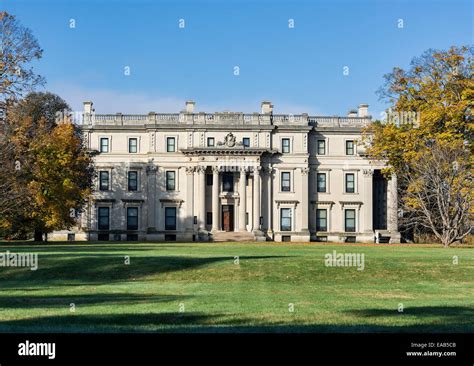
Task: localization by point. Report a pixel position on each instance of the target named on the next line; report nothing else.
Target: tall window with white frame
(104, 181)
(350, 220)
(285, 219)
(104, 145)
(132, 218)
(350, 147)
(133, 145)
(285, 145)
(285, 182)
(132, 181)
(104, 218)
(350, 183)
(170, 218)
(170, 144)
(321, 146)
(170, 180)
(321, 219)
(210, 142)
(321, 178)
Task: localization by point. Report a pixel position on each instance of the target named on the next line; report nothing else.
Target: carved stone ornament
(229, 141)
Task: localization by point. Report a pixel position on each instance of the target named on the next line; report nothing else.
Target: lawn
(271, 287)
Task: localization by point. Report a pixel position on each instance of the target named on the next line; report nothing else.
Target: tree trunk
(38, 235)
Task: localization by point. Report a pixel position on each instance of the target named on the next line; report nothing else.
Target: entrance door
(228, 217)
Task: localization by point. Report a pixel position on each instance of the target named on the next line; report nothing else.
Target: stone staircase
(241, 236)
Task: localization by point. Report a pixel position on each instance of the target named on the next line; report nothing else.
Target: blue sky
(299, 69)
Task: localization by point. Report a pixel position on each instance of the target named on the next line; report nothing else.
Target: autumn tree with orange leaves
(45, 171)
(431, 150)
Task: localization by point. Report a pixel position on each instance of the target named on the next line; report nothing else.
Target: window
(209, 218)
(350, 239)
(285, 182)
(286, 238)
(71, 237)
(210, 141)
(132, 181)
(321, 177)
(170, 144)
(246, 141)
(170, 180)
(170, 218)
(103, 237)
(132, 237)
(104, 145)
(285, 145)
(350, 220)
(132, 218)
(228, 182)
(170, 237)
(350, 183)
(103, 218)
(350, 147)
(321, 220)
(285, 219)
(209, 179)
(103, 180)
(132, 145)
(321, 147)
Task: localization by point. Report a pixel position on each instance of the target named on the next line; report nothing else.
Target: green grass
(221, 296)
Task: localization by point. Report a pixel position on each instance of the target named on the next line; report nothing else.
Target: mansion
(194, 176)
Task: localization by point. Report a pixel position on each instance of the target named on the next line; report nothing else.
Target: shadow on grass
(63, 301)
(456, 314)
(105, 269)
(215, 323)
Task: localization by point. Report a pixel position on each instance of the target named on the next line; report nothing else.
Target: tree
(440, 193)
(18, 48)
(436, 94)
(61, 181)
(55, 170)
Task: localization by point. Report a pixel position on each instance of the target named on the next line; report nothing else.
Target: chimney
(267, 107)
(363, 110)
(190, 106)
(88, 107)
(352, 113)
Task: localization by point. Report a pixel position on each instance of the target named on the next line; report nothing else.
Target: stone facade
(194, 176)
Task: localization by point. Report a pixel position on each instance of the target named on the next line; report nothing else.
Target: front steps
(239, 236)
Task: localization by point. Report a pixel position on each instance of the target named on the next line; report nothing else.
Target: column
(304, 199)
(151, 196)
(215, 198)
(368, 198)
(270, 201)
(256, 198)
(202, 198)
(190, 198)
(242, 200)
(392, 202)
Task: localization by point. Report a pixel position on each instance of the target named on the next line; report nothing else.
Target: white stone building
(230, 176)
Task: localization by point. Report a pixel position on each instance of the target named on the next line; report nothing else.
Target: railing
(322, 121)
(225, 118)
